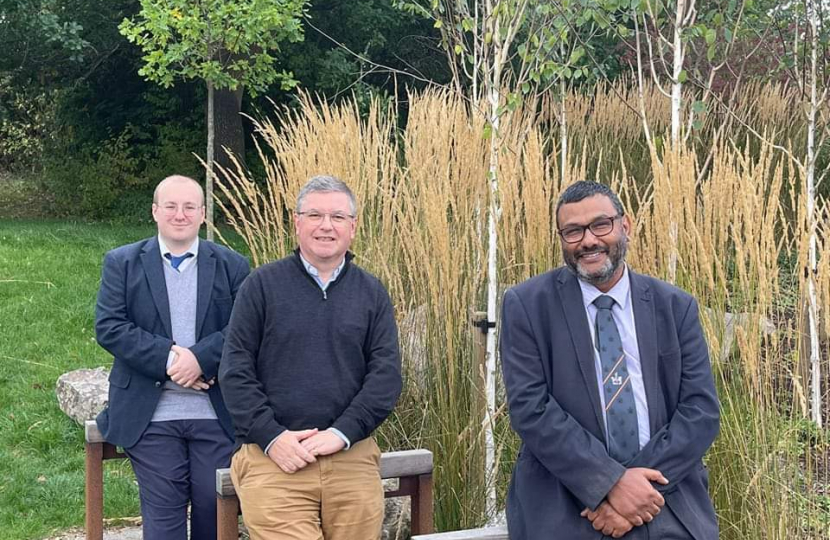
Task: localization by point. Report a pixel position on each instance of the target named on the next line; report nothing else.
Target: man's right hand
(288, 453)
(633, 496)
(608, 521)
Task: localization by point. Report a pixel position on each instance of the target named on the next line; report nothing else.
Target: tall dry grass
(422, 230)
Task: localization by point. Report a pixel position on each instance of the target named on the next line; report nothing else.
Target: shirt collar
(194, 247)
(312, 270)
(620, 292)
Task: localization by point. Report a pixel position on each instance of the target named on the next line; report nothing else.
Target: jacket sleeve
(242, 391)
(571, 453)
(208, 350)
(382, 383)
(143, 351)
(677, 447)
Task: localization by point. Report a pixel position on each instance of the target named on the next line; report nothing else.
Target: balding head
(176, 179)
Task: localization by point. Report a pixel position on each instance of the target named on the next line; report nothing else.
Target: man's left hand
(324, 443)
(608, 521)
(185, 370)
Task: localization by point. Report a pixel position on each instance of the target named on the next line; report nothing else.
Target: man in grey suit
(610, 388)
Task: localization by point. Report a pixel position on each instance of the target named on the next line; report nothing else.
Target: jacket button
(158, 384)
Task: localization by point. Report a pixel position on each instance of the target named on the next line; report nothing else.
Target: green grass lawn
(49, 275)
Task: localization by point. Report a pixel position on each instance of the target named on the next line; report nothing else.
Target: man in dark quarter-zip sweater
(310, 369)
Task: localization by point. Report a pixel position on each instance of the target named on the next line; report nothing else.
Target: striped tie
(620, 409)
(176, 260)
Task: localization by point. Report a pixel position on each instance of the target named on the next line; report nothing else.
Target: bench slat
(392, 465)
(487, 533)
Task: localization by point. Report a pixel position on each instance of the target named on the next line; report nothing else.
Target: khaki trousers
(339, 497)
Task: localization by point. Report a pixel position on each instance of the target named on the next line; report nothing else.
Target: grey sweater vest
(177, 402)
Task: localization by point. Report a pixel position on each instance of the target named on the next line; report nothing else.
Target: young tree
(501, 52)
(668, 30)
(802, 30)
(226, 43)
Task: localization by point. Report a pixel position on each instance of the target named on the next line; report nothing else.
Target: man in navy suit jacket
(610, 388)
(162, 310)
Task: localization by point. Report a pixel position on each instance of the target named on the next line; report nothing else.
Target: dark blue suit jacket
(554, 404)
(132, 322)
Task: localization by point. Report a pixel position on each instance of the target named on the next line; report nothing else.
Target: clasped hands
(186, 371)
(630, 503)
(293, 450)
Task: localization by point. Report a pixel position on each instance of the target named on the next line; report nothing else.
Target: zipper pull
(325, 295)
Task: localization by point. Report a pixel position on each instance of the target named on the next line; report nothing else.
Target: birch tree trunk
(676, 109)
(493, 101)
(810, 172)
(677, 69)
(210, 155)
(563, 130)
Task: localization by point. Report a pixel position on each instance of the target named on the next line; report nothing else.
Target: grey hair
(177, 178)
(326, 184)
(584, 189)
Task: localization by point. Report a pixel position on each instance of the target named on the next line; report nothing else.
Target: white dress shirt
(623, 314)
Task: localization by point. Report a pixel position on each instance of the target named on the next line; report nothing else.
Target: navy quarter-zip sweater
(297, 357)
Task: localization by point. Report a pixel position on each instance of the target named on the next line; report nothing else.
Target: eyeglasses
(599, 228)
(170, 210)
(315, 217)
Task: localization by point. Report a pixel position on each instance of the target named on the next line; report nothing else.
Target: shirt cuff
(171, 356)
(343, 437)
(267, 448)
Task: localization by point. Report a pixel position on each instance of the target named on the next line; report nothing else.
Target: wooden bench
(412, 468)
(487, 533)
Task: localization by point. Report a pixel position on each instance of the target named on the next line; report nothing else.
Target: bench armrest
(487, 533)
(392, 465)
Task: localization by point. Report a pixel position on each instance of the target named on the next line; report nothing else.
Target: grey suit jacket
(132, 322)
(554, 404)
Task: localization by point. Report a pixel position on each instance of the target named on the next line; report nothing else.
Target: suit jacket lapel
(153, 270)
(644, 320)
(577, 322)
(206, 265)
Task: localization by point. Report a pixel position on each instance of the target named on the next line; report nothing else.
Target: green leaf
(576, 55)
(727, 35)
(709, 35)
(682, 77)
(699, 107)
(438, 23)
(458, 48)
(710, 53)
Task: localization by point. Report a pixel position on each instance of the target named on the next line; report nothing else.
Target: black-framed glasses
(315, 217)
(599, 228)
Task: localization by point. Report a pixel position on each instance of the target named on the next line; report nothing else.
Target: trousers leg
(160, 462)
(666, 526)
(352, 496)
(275, 504)
(209, 448)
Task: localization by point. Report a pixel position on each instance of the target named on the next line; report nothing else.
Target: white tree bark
(209, 163)
(810, 173)
(493, 102)
(680, 20)
(563, 128)
(677, 68)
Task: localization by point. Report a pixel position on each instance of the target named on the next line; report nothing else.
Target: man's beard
(614, 260)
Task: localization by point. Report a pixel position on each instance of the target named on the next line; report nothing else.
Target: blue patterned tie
(620, 408)
(176, 260)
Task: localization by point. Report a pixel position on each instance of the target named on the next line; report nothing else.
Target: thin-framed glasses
(171, 209)
(599, 228)
(315, 217)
